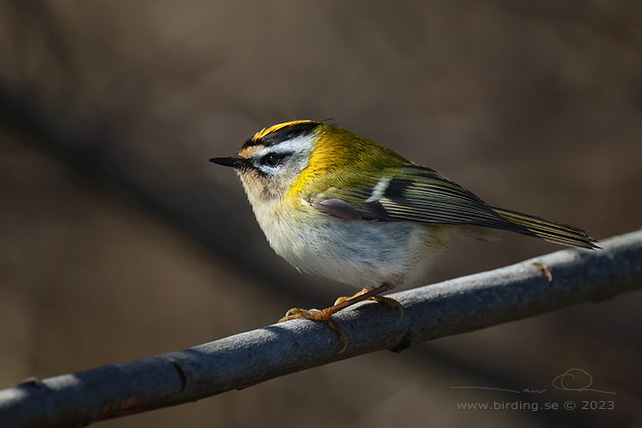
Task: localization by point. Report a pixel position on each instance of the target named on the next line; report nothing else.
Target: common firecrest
(338, 205)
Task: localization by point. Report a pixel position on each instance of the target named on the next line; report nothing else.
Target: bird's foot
(325, 315)
(319, 315)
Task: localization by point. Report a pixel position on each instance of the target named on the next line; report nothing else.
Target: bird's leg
(367, 293)
(347, 301)
(342, 303)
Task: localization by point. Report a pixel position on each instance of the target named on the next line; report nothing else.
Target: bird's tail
(548, 230)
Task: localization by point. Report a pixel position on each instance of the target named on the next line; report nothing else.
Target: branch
(461, 305)
(94, 148)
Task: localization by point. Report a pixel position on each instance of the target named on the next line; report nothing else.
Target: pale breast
(360, 253)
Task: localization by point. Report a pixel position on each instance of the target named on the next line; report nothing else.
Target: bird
(338, 205)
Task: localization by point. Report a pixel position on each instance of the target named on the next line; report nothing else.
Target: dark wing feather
(422, 194)
(417, 193)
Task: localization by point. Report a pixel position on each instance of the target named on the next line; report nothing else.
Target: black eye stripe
(273, 159)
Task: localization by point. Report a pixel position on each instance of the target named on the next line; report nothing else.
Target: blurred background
(120, 241)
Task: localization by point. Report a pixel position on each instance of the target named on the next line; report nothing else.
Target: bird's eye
(271, 160)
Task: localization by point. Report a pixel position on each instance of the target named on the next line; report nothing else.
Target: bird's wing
(411, 192)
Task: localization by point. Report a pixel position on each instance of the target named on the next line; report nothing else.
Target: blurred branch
(461, 305)
(94, 149)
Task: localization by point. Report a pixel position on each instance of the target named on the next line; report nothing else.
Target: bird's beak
(232, 161)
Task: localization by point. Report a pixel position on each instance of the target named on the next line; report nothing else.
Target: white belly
(360, 253)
